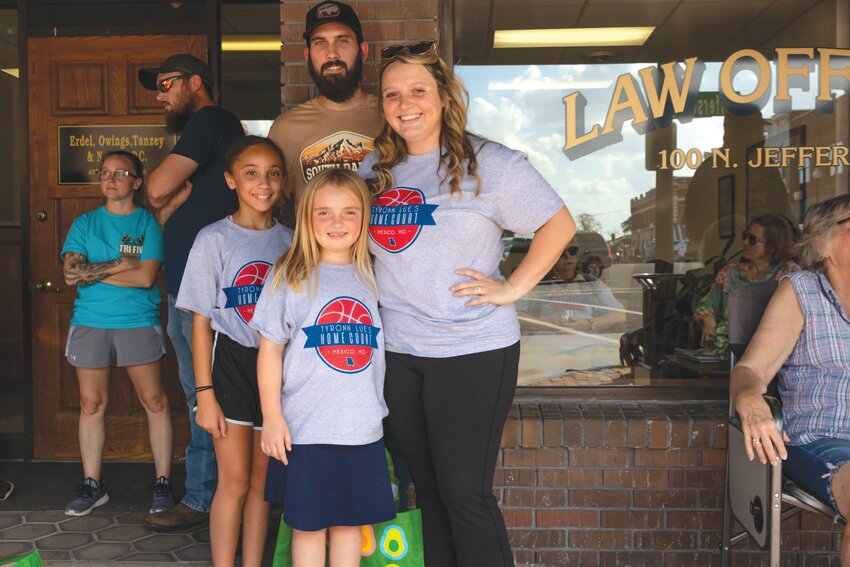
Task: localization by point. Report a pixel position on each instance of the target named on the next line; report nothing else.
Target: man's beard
(338, 88)
(178, 117)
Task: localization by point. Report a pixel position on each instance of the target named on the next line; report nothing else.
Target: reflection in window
(634, 218)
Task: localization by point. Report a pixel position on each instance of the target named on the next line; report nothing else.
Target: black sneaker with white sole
(90, 495)
(163, 495)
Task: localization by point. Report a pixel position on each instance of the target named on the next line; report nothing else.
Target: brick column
(385, 22)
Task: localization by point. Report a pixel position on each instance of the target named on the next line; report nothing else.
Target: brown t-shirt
(313, 138)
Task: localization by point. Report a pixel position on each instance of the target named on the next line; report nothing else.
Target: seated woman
(805, 337)
(768, 246)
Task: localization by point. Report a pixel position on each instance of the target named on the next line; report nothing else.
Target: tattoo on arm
(80, 272)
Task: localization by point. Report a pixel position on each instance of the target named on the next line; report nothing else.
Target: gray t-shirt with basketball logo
(225, 273)
(333, 364)
(420, 235)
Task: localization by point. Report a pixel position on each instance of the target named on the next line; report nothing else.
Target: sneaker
(163, 495)
(90, 495)
(6, 489)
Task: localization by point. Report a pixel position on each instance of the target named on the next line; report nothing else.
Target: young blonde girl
(226, 271)
(322, 398)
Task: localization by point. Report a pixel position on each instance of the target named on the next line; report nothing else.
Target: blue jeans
(201, 472)
(814, 464)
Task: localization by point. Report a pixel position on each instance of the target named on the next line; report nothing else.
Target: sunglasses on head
(750, 239)
(165, 85)
(418, 48)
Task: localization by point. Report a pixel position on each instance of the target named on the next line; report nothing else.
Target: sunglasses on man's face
(750, 239)
(165, 85)
(571, 250)
(418, 48)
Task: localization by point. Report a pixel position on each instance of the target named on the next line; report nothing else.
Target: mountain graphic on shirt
(341, 149)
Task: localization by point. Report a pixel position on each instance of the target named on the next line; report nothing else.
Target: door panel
(78, 81)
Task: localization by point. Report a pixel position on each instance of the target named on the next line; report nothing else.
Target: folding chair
(756, 495)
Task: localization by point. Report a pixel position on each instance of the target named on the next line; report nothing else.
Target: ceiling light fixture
(250, 43)
(572, 37)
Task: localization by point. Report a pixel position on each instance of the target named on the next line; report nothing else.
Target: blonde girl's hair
(455, 141)
(300, 265)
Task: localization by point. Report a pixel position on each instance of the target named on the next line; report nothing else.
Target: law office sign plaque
(81, 148)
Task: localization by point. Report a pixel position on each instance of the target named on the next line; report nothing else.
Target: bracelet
(202, 388)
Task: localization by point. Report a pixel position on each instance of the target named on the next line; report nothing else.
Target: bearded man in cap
(189, 192)
(337, 128)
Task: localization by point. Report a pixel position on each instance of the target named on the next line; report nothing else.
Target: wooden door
(85, 84)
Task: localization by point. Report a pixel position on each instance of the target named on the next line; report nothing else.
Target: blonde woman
(443, 198)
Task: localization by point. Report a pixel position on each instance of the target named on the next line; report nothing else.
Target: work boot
(177, 518)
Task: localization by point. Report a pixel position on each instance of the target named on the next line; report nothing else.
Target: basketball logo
(343, 335)
(398, 216)
(245, 289)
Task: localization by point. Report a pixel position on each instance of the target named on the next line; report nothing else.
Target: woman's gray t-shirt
(333, 364)
(420, 235)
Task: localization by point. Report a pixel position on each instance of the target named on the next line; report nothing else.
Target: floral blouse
(731, 277)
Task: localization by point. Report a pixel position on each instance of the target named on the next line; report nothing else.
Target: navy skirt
(332, 485)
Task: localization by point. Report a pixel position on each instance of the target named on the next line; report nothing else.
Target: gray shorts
(89, 347)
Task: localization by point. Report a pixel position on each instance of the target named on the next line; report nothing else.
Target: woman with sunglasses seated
(444, 197)
(768, 247)
(804, 336)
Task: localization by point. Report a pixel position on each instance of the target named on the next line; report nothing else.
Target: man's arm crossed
(168, 178)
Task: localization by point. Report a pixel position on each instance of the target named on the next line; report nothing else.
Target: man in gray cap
(189, 191)
(337, 128)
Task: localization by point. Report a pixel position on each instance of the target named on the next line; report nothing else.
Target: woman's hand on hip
(484, 289)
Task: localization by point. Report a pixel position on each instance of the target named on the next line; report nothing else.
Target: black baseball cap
(182, 62)
(332, 11)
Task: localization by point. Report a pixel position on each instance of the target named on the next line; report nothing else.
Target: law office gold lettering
(81, 141)
(671, 90)
(764, 157)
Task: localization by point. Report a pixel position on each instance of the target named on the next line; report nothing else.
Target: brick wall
(385, 22)
(629, 484)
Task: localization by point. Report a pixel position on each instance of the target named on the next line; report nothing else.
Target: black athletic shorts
(234, 378)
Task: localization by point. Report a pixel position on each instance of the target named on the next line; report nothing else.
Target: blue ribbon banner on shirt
(241, 295)
(403, 215)
(341, 334)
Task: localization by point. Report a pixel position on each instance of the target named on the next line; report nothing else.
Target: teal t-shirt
(102, 236)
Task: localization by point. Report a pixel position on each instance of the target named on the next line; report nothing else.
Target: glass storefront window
(654, 198)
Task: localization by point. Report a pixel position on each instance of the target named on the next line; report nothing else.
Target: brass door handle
(46, 286)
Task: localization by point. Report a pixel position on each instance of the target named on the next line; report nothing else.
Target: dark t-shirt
(205, 140)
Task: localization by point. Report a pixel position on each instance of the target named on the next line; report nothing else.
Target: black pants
(446, 417)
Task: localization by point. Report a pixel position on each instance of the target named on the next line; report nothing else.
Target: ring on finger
(478, 289)
(756, 441)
